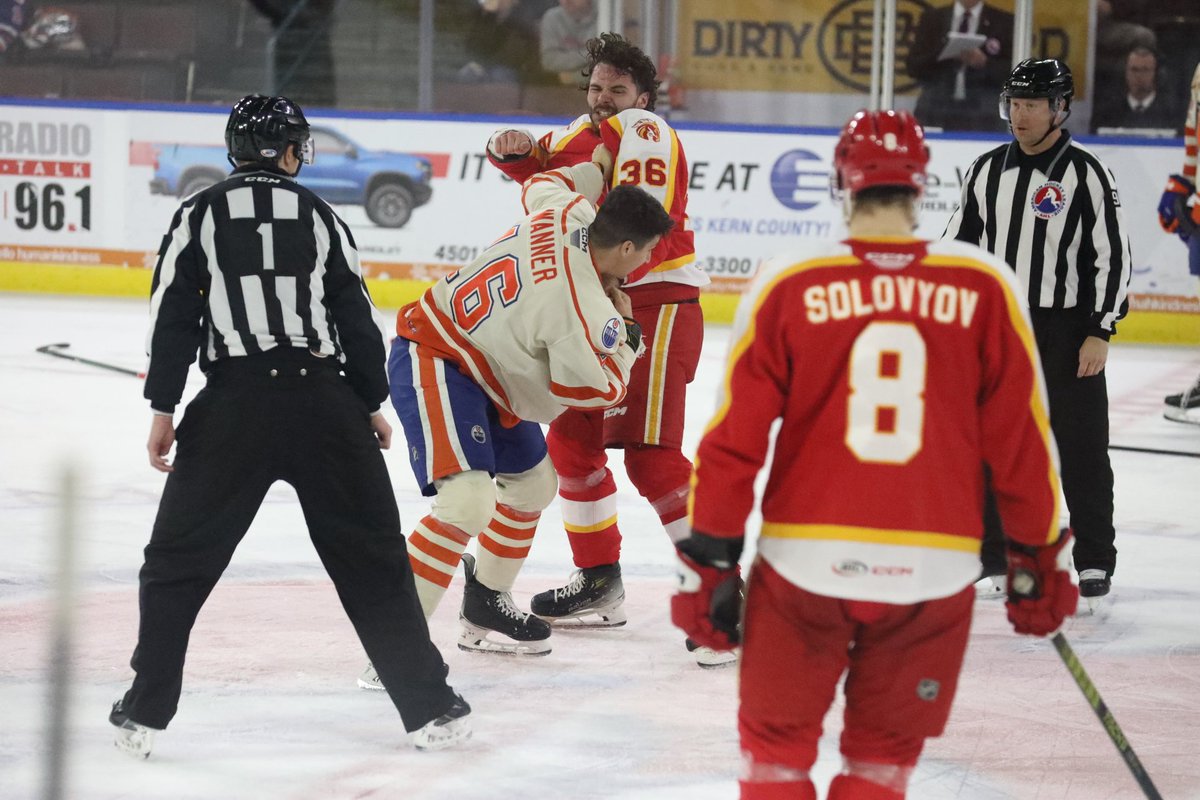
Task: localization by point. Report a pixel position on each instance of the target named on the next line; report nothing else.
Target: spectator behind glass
(502, 40)
(24, 26)
(1118, 32)
(1140, 104)
(960, 93)
(13, 16)
(304, 49)
(565, 31)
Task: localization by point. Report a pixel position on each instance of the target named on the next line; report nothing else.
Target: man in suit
(960, 93)
(1141, 105)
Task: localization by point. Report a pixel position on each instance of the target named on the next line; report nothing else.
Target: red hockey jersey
(647, 153)
(898, 368)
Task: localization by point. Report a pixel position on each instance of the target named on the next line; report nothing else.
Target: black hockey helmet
(1047, 77)
(261, 128)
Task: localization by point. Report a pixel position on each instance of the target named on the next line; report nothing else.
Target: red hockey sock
(589, 512)
(852, 787)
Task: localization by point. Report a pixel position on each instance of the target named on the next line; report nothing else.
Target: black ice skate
(488, 612)
(1093, 584)
(1178, 405)
(592, 599)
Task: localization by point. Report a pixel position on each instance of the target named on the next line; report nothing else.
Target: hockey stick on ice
(1153, 451)
(1106, 717)
(1024, 584)
(56, 350)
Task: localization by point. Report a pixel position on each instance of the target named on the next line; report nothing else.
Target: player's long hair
(616, 51)
(628, 214)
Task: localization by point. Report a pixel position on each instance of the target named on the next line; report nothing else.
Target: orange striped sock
(504, 546)
(434, 550)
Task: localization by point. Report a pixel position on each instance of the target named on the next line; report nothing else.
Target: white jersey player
(533, 326)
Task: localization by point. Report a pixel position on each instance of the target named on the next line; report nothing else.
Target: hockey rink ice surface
(270, 708)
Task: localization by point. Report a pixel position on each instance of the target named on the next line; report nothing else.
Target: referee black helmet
(1047, 77)
(262, 128)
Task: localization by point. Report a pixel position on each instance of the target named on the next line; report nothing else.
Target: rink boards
(78, 215)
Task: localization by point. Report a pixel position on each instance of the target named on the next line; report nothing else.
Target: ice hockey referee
(1050, 209)
(262, 279)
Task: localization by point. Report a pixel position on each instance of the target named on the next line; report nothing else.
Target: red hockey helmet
(881, 148)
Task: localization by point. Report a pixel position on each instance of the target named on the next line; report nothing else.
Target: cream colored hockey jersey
(1191, 126)
(528, 320)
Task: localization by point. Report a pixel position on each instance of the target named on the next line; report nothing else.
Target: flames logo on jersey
(647, 129)
(1048, 200)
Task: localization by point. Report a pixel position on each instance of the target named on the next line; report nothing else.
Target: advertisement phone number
(722, 265)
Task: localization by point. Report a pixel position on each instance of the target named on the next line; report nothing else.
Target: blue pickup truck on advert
(387, 185)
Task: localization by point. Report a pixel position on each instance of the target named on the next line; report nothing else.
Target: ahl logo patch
(612, 332)
(1048, 200)
(477, 434)
(928, 689)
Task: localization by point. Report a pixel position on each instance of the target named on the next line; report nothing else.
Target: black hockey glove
(633, 333)
(707, 606)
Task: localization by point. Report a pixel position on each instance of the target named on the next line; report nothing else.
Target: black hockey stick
(1106, 717)
(1153, 451)
(1024, 584)
(56, 350)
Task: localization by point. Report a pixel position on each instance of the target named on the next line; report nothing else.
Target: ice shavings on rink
(270, 708)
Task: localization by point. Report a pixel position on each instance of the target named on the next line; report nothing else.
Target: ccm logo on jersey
(260, 179)
(611, 334)
(854, 569)
(579, 238)
(615, 411)
(647, 129)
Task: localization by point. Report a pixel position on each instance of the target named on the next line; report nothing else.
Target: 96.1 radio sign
(46, 180)
(32, 201)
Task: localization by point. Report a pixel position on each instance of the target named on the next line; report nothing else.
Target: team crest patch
(477, 434)
(647, 129)
(1048, 200)
(612, 332)
(928, 689)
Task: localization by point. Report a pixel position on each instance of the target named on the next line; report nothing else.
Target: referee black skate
(1051, 209)
(260, 278)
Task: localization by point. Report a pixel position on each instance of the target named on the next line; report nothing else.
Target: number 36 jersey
(528, 320)
(898, 369)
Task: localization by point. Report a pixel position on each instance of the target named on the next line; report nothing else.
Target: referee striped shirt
(254, 263)
(1056, 218)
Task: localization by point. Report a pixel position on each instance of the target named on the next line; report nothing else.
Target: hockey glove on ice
(1174, 213)
(708, 603)
(1040, 592)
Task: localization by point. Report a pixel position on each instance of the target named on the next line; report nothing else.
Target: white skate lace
(504, 604)
(571, 589)
(1189, 393)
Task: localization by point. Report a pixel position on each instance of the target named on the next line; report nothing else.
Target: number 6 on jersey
(886, 409)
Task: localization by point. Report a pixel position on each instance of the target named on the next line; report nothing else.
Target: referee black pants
(282, 415)
(1079, 419)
